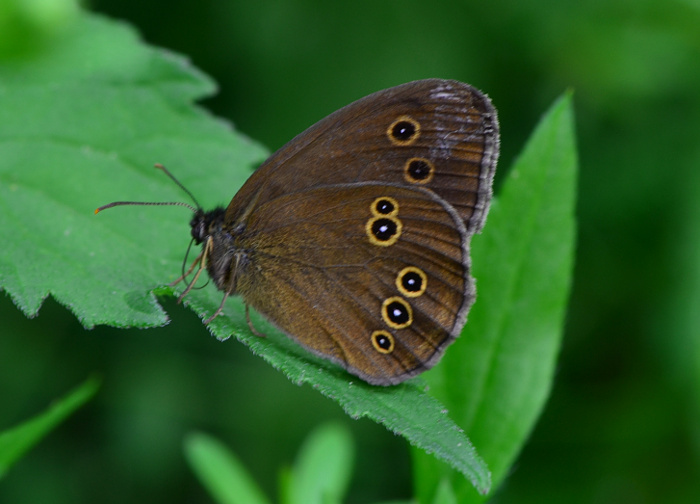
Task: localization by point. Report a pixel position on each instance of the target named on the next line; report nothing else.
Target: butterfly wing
(373, 276)
(441, 135)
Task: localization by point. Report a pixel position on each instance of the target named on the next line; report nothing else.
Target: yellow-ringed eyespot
(411, 281)
(383, 231)
(397, 313)
(418, 171)
(403, 131)
(383, 342)
(384, 205)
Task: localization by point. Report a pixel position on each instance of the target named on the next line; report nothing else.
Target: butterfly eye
(403, 131)
(419, 170)
(198, 228)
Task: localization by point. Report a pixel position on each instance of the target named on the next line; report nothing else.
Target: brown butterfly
(354, 237)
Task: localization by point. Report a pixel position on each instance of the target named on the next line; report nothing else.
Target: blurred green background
(623, 422)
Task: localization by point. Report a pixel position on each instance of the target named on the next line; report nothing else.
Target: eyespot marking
(384, 205)
(411, 281)
(397, 313)
(383, 341)
(383, 231)
(419, 171)
(404, 131)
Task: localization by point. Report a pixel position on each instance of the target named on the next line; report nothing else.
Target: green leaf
(17, 441)
(81, 123)
(406, 409)
(498, 375)
(26, 24)
(323, 467)
(220, 471)
(445, 494)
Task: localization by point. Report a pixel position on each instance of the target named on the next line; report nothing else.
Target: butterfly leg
(184, 275)
(202, 261)
(218, 310)
(250, 323)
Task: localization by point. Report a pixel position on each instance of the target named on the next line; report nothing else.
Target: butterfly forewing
(437, 134)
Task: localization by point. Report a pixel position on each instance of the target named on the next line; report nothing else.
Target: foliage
(16, 441)
(319, 475)
(99, 129)
(625, 390)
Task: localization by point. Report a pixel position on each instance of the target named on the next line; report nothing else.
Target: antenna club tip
(97, 210)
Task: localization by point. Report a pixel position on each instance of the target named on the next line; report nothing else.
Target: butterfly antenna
(159, 203)
(146, 203)
(179, 184)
